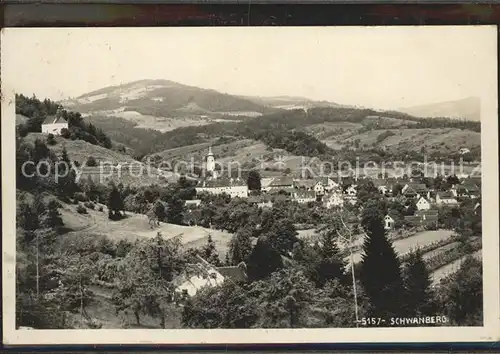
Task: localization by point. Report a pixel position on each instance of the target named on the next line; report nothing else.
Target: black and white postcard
(250, 185)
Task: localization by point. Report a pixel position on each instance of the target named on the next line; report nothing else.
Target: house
(54, 125)
(197, 276)
(304, 196)
(428, 217)
(464, 151)
(328, 183)
(236, 274)
(334, 199)
(468, 189)
(283, 183)
(233, 187)
(381, 185)
(414, 190)
(319, 188)
(192, 203)
(423, 204)
(388, 222)
(351, 191)
(262, 201)
(265, 184)
(445, 198)
(305, 184)
(423, 218)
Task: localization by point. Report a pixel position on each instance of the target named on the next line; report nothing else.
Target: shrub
(81, 197)
(51, 140)
(91, 162)
(100, 208)
(89, 205)
(65, 133)
(80, 209)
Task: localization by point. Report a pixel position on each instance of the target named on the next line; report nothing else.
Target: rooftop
(54, 120)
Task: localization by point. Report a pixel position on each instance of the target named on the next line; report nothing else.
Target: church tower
(210, 161)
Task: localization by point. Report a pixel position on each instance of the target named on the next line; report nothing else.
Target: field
(79, 150)
(136, 226)
(451, 268)
(443, 140)
(405, 245)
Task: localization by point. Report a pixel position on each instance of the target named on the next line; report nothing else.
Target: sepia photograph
(329, 183)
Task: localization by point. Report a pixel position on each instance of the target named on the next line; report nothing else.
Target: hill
(290, 102)
(79, 151)
(160, 104)
(467, 108)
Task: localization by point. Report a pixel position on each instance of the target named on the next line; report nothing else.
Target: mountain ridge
(466, 108)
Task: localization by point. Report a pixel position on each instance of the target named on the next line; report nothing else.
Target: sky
(377, 67)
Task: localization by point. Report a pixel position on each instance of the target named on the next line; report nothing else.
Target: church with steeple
(213, 184)
(210, 163)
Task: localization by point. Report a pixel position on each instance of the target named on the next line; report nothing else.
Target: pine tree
(175, 211)
(240, 246)
(419, 297)
(380, 272)
(329, 265)
(160, 210)
(115, 202)
(263, 260)
(53, 217)
(210, 254)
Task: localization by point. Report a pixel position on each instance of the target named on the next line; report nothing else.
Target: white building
(423, 204)
(445, 198)
(319, 188)
(233, 187)
(304, 196)
(334, 200)
(388, 222)
(54, 125)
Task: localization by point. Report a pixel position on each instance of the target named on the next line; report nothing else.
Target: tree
(419, 297)
(91, 162)
(175, 210)
(285, 300)
(461, 294)
(209, 253)
(225, 306)
(380, 272)
(329, 264)
(240, 246)
(411, 207)
(53, 217)
(115, 202)
(28, 220)
(159, 210)
(263, 260)
(396, 190)
(145, 278)
(51, 139)
(253, 180)
(67, 179)
(282, 235)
